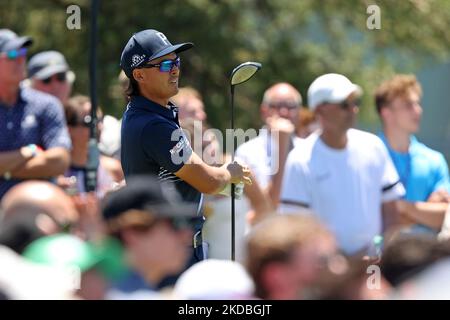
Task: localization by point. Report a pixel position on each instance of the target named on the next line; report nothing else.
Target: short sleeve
(442, 178)
(54, 128)
(295, 193)
(166, 144)
(392, 188)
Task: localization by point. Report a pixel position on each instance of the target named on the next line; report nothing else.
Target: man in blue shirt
(152, 141)
(422, 170)
(34, 142)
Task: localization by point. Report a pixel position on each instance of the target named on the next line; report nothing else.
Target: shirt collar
(147, 105)
(20, 99)
(412, 144)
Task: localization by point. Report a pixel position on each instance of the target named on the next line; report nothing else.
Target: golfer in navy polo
(152, 141)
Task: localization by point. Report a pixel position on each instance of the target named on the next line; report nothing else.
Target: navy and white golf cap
(147, 45)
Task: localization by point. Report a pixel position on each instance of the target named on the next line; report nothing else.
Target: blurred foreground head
(79, 258)
(285, 254)
(214, 279)
(21, 279)
(32, 209)
(407, 256)
(190, 104)
(281, 100)
(154, 225)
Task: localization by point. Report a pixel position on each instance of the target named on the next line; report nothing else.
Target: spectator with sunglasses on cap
(49, 72)
(34, 143)
(152, 140)
(343, 175)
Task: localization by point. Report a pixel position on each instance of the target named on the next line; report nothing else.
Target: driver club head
(244, 72)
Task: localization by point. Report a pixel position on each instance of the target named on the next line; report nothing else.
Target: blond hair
(398, 86)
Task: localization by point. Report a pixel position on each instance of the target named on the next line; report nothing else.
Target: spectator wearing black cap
(152, 141)
(50, 73)
(34, 142)
(155, 228)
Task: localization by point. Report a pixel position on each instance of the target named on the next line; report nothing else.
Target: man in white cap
(343, 175)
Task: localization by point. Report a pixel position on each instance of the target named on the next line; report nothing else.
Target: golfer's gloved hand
(239, 173)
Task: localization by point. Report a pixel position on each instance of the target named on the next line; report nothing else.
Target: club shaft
(93, 153)
(233, 213)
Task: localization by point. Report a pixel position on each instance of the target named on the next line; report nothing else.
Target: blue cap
(47, 63)
(11, 41)
(147, 45)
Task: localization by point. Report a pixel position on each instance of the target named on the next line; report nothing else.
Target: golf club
(239, 75)
(93, 152)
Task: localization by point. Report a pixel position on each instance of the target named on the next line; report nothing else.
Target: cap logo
(137, 59)
(53, 61)
(163, 38)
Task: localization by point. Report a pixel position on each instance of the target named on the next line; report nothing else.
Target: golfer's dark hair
(133, 88)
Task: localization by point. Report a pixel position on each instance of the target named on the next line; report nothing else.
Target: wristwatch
(34, 149)
(29, 151)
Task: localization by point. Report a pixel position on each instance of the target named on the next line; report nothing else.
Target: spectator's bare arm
(284, 128)
(10, 160)
(49, 163)
(440, 195)
(430, 214)
(393, 216)
(209, 179)
(261, 204)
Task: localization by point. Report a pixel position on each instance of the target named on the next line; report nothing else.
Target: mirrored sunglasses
(165, 66)
(16, 53)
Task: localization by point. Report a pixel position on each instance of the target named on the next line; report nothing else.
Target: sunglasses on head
(61, 77)
(165, 65)
(16, 53)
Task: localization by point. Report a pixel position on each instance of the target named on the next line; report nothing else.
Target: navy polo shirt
(154, 143)
(36, 118)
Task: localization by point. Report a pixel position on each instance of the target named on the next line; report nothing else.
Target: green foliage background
(295, 40)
